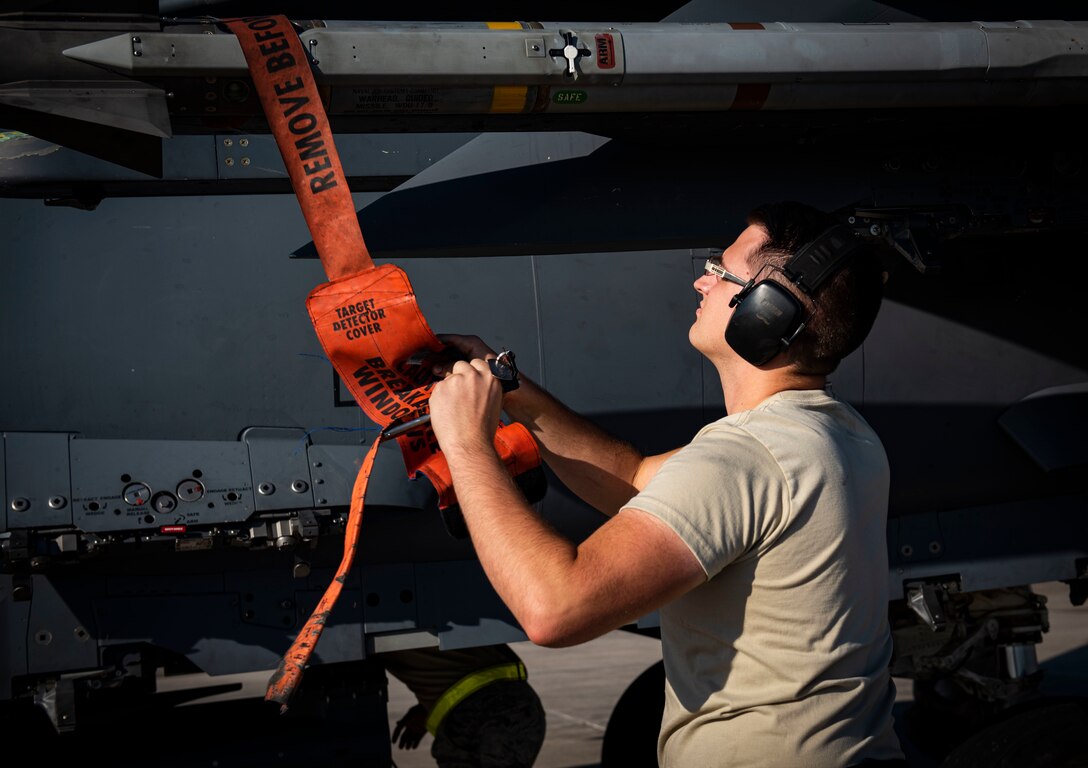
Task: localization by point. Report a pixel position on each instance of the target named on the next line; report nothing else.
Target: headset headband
(821, 258)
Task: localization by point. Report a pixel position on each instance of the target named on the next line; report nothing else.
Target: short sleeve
(723, 494)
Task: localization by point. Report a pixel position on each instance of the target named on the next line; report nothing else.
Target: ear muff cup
(764, 318)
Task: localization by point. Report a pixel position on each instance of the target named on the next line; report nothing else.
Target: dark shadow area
(336, 720)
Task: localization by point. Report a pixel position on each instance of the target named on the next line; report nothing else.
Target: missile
(91, 82)
(532, 68)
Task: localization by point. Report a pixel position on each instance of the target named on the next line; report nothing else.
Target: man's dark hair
(840, 313)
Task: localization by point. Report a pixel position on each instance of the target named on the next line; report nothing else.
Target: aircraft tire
(1048, 733)
(630, 738)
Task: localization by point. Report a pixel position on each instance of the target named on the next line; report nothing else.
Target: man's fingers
(467, 367)
(462, 366)
(458, 347)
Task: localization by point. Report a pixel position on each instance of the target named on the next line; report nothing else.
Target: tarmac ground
(580, 686)
(227, 724)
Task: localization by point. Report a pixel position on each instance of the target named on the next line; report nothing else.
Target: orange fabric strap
(288, 675)
(366, 317)
(288, 94)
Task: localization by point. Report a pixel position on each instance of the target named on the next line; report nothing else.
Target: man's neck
(747, 388)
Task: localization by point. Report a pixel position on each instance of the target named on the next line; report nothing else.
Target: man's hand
(465, 408)
(411, 728)
(469, 348)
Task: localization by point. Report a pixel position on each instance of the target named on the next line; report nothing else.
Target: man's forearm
(595, 465)
(533, 568)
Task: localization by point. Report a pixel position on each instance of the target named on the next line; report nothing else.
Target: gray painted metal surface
(177, 454)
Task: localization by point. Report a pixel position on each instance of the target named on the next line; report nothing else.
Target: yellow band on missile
(508, 98)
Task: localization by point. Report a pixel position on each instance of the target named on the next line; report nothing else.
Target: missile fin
(137, 151)
(132, 107)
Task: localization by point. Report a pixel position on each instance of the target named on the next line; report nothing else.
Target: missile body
(158, 78)
(535, 68)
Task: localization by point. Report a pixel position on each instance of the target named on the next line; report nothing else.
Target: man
(476, 702)
(761, 542)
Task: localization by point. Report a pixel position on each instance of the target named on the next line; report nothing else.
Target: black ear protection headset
(767, 317)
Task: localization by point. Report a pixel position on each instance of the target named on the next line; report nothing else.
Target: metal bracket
(57, 699)
(913, 232)
(926, 601)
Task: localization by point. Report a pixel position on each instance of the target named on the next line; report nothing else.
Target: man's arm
(599, 468)
(560, 593)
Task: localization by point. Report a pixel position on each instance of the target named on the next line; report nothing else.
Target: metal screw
(299, 486)
(229, 161)
(57, 502)
(227, 142)
(243, 142)
(906, 550)
(934, 547)
(245, 161)
(266, 489)
(20, 504)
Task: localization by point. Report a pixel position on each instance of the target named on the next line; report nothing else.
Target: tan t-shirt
(781, 657)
